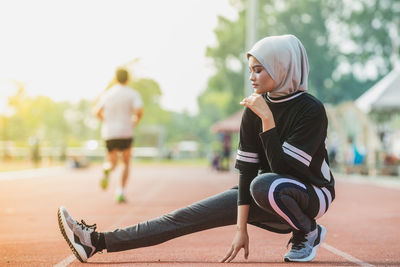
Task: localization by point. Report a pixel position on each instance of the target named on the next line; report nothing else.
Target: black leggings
(280, 204)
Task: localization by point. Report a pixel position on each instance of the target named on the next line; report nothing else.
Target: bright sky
(68, 50)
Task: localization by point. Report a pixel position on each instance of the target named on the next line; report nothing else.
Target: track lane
(362, 222)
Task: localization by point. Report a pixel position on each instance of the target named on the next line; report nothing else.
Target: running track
(362, 224)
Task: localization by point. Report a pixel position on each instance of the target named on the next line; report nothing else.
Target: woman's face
(260, 79)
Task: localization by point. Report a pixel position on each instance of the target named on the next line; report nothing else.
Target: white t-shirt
(119, 104)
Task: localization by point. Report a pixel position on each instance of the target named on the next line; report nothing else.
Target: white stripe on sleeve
(294, 155)
(297, 151)
(245, 159)
(247, 154)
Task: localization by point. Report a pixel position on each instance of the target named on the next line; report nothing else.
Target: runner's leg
(126, 159)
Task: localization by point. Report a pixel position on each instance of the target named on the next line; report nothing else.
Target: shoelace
(297, 241)
(85, 226)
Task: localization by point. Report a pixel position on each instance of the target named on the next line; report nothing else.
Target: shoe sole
(61, 222)
(104, 180)
(121, 200)
(314, 250)
(104, 183)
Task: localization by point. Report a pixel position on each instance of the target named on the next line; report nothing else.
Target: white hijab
(285, 59)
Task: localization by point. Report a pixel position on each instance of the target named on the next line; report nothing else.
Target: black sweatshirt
(296, 146)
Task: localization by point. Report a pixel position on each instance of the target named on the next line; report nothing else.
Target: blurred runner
(120, 109)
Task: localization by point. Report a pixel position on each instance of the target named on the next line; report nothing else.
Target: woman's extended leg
(212, 212)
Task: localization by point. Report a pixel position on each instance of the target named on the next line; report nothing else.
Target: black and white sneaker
(304, 246)
(79, 236)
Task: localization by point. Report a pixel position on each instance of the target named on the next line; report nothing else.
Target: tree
(38, 117)
(151, 94)
(367, 41)
(327, 29)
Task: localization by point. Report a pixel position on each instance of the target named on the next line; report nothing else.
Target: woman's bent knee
(259, 187)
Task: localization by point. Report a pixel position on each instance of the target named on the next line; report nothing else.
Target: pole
(394, 36)
(251, 37)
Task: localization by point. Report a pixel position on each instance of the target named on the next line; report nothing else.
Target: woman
(285, 183)
(283, 135)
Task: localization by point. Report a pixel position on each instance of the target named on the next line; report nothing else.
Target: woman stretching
(285, 183)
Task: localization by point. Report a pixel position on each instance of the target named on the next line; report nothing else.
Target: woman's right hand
(259, 106)
(241, 240)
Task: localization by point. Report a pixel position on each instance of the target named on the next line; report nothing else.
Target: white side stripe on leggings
(323, 206)
(328, 195)
(272, 200)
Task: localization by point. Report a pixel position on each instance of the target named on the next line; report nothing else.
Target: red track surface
(362, 224)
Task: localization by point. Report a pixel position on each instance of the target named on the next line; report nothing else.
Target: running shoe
(79, 236)
(104, 180)
(304, 246)
(121, 198)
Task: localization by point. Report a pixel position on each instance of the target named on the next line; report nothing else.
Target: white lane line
(30, 173)
(345, 255)
(155, 190)
(381, 181)
(65, 262)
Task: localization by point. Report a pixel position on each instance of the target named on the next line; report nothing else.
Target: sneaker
(304, 246)
(104, 180)
(121, 198)
(79, 236)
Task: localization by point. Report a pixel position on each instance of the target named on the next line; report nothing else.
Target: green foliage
(326, 28)
(369, 23)
(38, 117)
(60, 123)
(151, 94)
(322, 26)
(341, 38)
